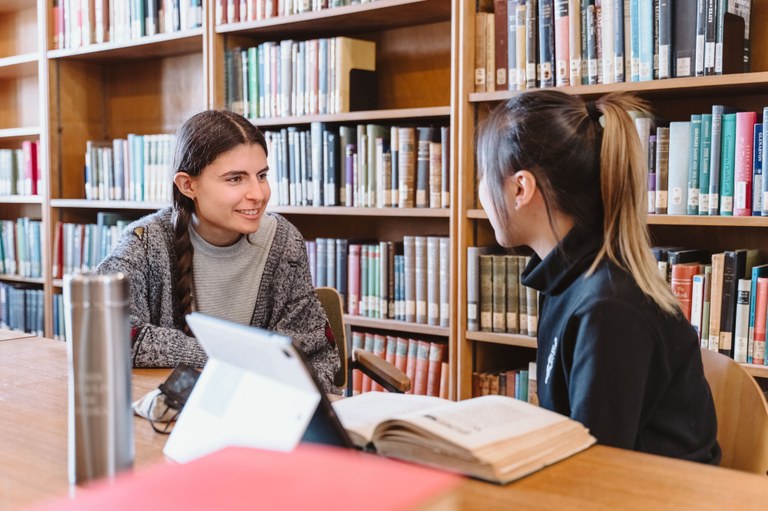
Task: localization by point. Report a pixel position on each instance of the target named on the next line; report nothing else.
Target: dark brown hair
(594, 173)
(199, 141)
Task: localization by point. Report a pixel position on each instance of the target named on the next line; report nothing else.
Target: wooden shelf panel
(14, 5)
(22, 280)
(19, 133)
(756, 370)
(366, 115)
(18, 65)
(161, 45)
(398, 326)
(104, 204)
(730, 85)
(682, 220)
(371, 17)
(378, 212)
(523, 341)
(21, 199)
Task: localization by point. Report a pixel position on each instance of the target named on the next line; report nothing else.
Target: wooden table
(33, 454)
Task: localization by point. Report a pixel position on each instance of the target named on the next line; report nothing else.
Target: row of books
(517, 383)
(21, 308)
(408, 281)
(19, 170)
(238, 11)
(497, 301)
(710, 165)
(285, 78)
(20, 247)
(724, 295)
(136, 168)
(544, 43)
(81, 247)
(84, 22)
(424, 362)
(367, 165)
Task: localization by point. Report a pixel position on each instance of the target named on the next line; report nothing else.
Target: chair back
(334, 311)
(742, 413)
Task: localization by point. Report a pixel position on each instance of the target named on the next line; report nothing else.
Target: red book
(401, 353)
(31, 172)
(379, 349)
(682, 285)
(434, 368)
(312, 476)
(761, 305)
(410, 363)
(742, 192)
(419, 382)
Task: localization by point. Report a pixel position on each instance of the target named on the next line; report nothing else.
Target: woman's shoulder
(149, 229)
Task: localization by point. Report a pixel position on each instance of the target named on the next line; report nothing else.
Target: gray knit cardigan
(286, 303)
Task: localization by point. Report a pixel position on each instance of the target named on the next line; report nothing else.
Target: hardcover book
(495, 438)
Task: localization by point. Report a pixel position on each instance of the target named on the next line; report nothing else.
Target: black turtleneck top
(610, 358)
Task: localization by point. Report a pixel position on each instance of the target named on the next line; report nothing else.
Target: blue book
(619, 73)
(757, 171)
(704, 155)
(634, 20)
(693, 165)
(645, 30)
(765, 163)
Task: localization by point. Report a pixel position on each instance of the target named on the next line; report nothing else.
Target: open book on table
(495, 438)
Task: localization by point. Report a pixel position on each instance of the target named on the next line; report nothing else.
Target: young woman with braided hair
(615, 352)
(217, 251)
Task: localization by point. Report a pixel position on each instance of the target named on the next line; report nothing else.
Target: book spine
(678, 165)
(513, 293)
(714, 159)
(531, 43)
(502, 26)
(741, 327)
(499, 293)
(693, 166)
(697, 303)
(662, 170)
(716, 300)
(546, 43)
(727, 171)
(757, 170)
(704, 157)
(665, 39)
(574, 41)
(486, 293)
(562, 40)
(758, 350)
(434, 367)
(445, 282)
(743, 163)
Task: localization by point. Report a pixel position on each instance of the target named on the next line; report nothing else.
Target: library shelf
(361, 116)
(399, 326)
(21, 199)
(377, 212)
(756, 370)
(107, 204)
(370, 17)
(18, 65)
(682, 220)
(23, 280)
(160, 45)
(732, 84)
(523, 341)
(21, 133)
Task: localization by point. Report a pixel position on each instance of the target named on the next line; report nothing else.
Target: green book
(727, 164)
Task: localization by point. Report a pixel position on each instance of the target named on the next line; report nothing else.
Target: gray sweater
(286, 302)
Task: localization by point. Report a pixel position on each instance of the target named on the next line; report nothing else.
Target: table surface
(33, 454)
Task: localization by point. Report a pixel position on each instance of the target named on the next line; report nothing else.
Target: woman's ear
(523, 188)
(185, 183)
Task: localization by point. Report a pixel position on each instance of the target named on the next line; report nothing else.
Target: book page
(482, 421)
(362, 413)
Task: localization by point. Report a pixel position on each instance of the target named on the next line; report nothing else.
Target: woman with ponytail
(216, 251)
(615, 352)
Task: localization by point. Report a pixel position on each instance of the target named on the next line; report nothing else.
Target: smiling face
(230, 194)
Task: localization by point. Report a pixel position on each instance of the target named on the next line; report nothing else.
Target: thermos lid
(97, 290)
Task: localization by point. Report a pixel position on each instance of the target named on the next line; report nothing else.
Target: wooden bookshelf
(375, 212)
(673, 99)
(396, 326)
(21, 280)
(370, 17)
(425, 72)
(400, 114)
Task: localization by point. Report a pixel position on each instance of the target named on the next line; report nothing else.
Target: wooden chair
(380, 371)
(742, 414)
